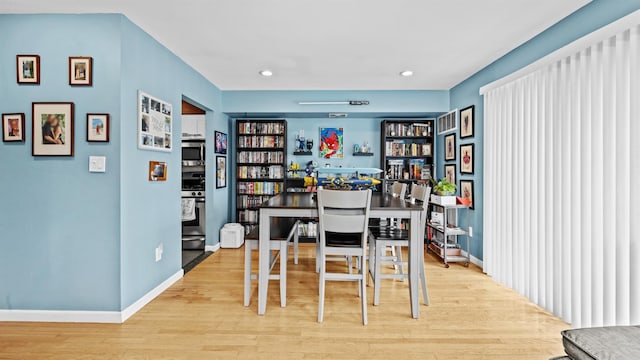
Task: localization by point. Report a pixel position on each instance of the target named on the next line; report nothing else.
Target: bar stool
(282, 232)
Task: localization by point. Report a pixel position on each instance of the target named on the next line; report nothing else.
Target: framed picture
(221, 172)
(331, 143)
(450, 173)
(221, 143)
(28, 69)
(80, 71)
(466, 122)
(13, 127)
(52, 129)
(466, 159)
(155, 123)
(450, 147)
(466, 191)
(157, 171)
(98, 127)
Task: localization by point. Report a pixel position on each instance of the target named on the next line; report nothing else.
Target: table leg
(415, 247)
(263, 261)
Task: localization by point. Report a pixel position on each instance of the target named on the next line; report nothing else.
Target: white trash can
(231, 236)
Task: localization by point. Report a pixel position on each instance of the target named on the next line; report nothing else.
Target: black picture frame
(221, 172)
(93, 134)
(464, 186)
(467, 159)
(467, 122)
(221, 142)
(450, 169)
(450, 147)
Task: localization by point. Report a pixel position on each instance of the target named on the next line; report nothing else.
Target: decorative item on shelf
(445, 188)
(13, 127)
(80, 70)
(303, 146)
(221, 142)
(308, 170)
(157, 171)
(309, 145)
(154, 123)
(52, 127)
(28, 69)
(362, 150)
(221, 172)
(98, 127)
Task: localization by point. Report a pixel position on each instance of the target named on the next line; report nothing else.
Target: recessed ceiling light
(266, 73)
(407, 73)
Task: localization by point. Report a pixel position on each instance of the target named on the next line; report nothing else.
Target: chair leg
(284, 257)
(317, 256)
(247, 272)
(423, 280)
(296, 240)
(394, 254)
(376, 282)
(399, 258)
(372, 257)
(363, 289)
(321, 288)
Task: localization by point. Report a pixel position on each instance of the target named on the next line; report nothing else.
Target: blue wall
(72, 240)
(59, 228)
(584, 21)
(151, 211)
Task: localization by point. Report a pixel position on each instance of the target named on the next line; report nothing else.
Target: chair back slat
(399, 189)
(343, 211)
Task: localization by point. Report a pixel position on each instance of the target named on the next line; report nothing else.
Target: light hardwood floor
(202, 317)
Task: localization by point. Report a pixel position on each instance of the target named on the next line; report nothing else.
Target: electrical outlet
(159, 251)
(470, 231)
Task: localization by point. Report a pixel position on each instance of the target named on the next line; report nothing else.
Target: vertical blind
(562, 183)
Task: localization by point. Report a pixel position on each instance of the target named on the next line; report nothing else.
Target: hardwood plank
(201, 316)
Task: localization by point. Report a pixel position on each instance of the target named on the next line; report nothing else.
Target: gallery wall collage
(465, 151)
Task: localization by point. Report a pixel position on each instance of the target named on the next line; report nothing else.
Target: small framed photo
(466, 122)
(450, 147)
(221, 172)
(466, 191)
(157, 171)
(466, 159)
(450, 173)
(52, 129)
(28, 69)
(13, 127)
(80, 71)
(98, 127)
(221, 143)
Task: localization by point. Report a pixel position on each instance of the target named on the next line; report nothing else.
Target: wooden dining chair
(382, 238)
(343, 227)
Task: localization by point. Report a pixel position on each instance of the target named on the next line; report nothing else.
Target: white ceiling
(330, 44)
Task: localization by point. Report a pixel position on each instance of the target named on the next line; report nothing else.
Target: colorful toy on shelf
(344, 178)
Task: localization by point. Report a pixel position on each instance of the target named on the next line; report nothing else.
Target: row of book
(261, 128)
(266, 157)
(248, 216)
(259, 188)
(261, 172)
(401, 148)
(261, 141)
(411, 169)
(250, 201)
(394, 129)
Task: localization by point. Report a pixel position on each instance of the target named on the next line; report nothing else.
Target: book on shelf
(260, 141)
(408, 130)
(261, 172)
(259, 188)
(260, 128)
(266, 157)
(405, 148)
(251, 201)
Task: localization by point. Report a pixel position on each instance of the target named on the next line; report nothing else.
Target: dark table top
(379, 201)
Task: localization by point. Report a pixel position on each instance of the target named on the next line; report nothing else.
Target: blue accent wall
(591, 17)
(60, 224)
(74, 240)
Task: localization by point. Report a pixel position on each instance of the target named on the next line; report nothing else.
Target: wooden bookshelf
(407, 147)
(261, 165)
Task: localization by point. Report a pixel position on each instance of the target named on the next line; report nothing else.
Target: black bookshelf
(407, 147)
(261, 165)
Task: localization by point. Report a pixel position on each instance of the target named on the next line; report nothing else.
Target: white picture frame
(155, 123)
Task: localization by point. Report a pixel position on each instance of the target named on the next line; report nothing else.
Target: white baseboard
(116, 317)
(212, 248)
(474, 260)
(136, 306)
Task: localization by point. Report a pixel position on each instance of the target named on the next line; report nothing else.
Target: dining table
(304, 205)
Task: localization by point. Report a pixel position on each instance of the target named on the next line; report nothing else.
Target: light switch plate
(97, 164)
